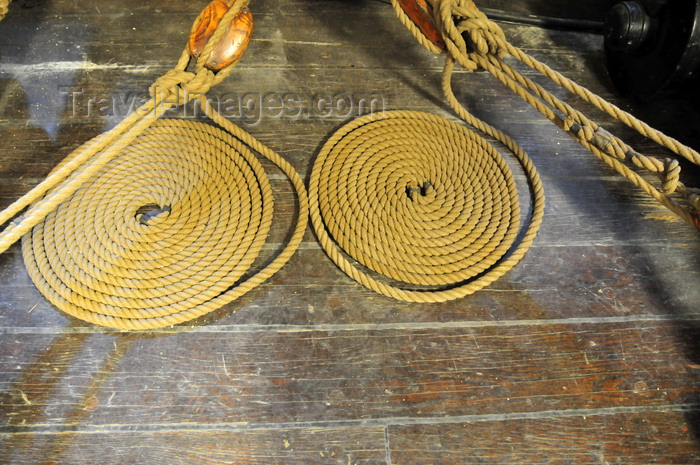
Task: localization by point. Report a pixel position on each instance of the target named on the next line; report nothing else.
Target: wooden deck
(586, 353)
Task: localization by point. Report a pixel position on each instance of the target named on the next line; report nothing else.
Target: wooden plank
(300, 38)
(552, 282)
(325, 446)
(341, 373)
(649, 438)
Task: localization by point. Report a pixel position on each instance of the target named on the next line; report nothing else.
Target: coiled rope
(158, 221)
(469, 38)
(424, 202)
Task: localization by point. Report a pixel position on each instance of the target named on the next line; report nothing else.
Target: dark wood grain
(622, 282)
(313, 446)
(298, 375)
(586, 352)
(651, 438)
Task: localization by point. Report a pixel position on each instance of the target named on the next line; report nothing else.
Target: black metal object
(652, 47)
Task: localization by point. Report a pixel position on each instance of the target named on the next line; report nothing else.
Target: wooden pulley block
(421, 13)
(232, 45)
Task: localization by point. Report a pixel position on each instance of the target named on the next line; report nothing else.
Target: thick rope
(158, 221)
(475, 42)
(422, 201)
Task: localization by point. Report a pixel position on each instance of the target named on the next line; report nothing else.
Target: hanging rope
(424, 202)
(474, 42)
(157, 221)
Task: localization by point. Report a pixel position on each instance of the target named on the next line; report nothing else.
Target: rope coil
(167, 231)
(423, 201)
(157, 221)
(96, 258)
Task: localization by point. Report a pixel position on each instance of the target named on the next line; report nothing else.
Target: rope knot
(180, 86)
(468, 32)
